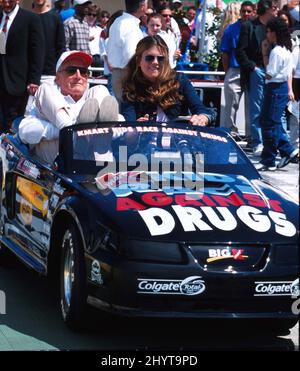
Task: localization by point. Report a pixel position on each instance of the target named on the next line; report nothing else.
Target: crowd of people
(46, 53)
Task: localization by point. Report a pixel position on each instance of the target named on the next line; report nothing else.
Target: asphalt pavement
(287, 178)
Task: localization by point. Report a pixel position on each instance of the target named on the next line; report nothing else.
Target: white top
(296, 57)
(170, 41)
(95, 31)
(176, 32)
(124, 35)
(12, 16)
(50, 112)
(103, 53)
(280, 65)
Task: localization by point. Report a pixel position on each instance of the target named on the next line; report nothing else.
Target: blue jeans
(256, 96)
(274, 136)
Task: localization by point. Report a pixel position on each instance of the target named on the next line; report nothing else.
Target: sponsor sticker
(273, 288)
(28, 168)
(295, 288)
(57, 188)
(190, 286)
(96, 272)
(26, 211)
(34, 194)
(220, 254)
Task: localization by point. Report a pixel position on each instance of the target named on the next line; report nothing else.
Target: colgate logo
(273, 288)
(190, 286)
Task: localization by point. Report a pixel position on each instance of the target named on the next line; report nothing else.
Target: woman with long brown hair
(153, 91)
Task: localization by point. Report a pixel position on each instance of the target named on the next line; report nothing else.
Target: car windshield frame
(72, 166)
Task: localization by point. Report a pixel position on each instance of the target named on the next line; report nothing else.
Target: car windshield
(126, 147)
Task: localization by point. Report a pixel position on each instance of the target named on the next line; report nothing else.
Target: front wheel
(73, 293)
(278, 325)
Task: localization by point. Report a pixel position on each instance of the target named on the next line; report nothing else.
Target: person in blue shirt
(232, 85)
(152, 91)
(68, 13)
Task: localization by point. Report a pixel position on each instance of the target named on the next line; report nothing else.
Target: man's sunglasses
(71, 70)
(247, 11)
(150, 58)
(92, 14)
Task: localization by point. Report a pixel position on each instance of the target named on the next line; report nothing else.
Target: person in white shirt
(277, 94)
(124, 34)
(169, 24)
(66, 102)
(92, 16)
(294, 105)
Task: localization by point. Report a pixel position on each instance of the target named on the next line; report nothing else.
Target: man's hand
(143, 118)
(32, 88)
(199, 120)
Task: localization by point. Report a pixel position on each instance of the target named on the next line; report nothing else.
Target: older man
(64, 103)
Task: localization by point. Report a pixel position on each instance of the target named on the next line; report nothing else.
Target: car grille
(230, 257)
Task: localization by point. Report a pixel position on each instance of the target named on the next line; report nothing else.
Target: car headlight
(156, 252)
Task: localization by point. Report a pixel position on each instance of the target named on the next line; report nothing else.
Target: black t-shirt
(55, 43)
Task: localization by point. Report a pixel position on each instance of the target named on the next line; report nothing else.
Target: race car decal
(26, 211)
(58, 188)
(190, 286)
(197, 199)
(150, 129)
(28, 168)
(273, 288)
(34, 194)
(96, 272)
(220, 254)
(161, 222)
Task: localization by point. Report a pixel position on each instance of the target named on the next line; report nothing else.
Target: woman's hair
(136, 87)
(155, 15)
(95, 9)
(231, 15)
(288, 16)
(283, 37)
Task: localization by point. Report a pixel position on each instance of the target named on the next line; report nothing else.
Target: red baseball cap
(71, 54)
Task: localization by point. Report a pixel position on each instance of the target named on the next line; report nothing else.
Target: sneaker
(257, 150)
(89, 112)
(287, 159)
(109, 109)
(262, 167)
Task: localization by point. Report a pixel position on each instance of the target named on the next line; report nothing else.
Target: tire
(73, 293)
(278, 326)
(4, 254)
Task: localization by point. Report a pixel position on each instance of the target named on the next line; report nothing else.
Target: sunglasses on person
(71, 70)
(167, 15)
(246, 11)
(92, 14)
(150, 58)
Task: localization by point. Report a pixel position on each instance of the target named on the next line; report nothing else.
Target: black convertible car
(152, 220)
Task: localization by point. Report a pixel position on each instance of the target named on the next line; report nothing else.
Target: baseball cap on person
(81, 2)
(177, 1)
(71, 54)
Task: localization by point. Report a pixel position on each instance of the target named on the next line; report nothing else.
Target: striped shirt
(77, 34)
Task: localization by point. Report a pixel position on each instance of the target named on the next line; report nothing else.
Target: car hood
(224, 208)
